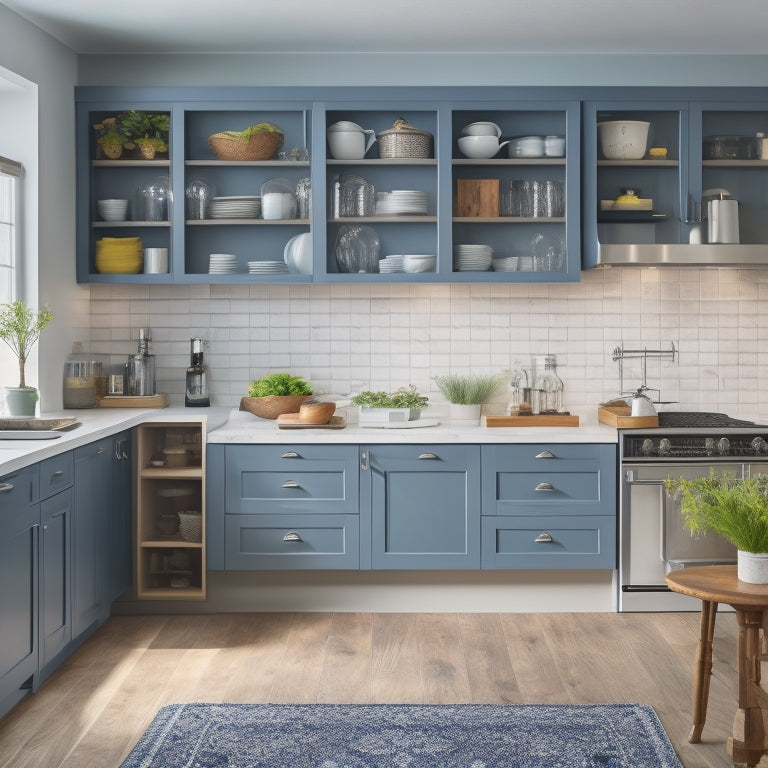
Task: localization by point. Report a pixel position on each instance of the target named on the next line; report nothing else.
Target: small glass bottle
(141, 368)
(196, 390)
(550, 385)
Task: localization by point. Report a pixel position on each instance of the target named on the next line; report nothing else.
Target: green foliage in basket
(402, 398)
(735, 509)
(254, 129)
(468, 390)
(280, 384)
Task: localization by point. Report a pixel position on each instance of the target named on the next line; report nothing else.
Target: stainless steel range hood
(681, 255)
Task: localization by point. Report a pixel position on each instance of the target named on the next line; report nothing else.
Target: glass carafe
(548, 384)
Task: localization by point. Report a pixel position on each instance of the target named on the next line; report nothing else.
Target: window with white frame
(10, 175)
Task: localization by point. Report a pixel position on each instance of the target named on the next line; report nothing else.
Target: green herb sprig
(280, 384)
(467, 390)
(402, 398)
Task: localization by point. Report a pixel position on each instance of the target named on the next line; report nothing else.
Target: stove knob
(664, 447)
(709, 446)
(759, 445)
(647, 446)
(723, 446)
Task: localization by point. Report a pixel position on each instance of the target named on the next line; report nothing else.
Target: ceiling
(419, 26)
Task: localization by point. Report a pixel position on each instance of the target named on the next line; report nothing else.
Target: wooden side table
(713, 584)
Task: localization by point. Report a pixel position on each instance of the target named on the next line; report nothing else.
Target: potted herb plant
(20, 328)
(466, 394)
(276, 394)
(382, 407)
(734, 508)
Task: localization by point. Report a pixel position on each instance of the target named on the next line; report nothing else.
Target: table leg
(752, 747)
(702, 670)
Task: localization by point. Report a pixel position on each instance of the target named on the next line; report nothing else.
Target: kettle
(722, 216)
(642, 404)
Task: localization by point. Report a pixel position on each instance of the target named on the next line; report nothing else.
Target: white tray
(400, 424)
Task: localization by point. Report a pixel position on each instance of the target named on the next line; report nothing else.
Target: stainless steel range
(652, 538)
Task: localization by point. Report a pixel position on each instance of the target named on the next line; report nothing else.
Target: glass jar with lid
(278, 199)
(549, 384)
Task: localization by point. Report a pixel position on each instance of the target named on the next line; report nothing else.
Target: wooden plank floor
(93, 709)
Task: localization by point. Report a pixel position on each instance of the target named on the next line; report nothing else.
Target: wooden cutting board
(542, 420)
(619, 416)
(134, 401)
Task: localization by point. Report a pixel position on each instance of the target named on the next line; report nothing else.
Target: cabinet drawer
(551, 541)
(274, 542)
(56, 474)
(19, 489)
(559, 486)
(279, 480)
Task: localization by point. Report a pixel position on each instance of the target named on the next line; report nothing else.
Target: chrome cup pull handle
(543, 538)
(291, 455)
(428, 456)
(545, 455)
(6, 487)
(544, 487)
(291, 484)
(292, 536)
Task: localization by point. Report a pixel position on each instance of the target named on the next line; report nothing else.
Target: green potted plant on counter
(276, 394)
(734, 508)
(466, 394)
(20, 328)
(382, 407)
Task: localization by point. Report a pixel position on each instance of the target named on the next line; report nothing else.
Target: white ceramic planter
(387, 415)
(464, 414)
(752, 568)
(21, 401)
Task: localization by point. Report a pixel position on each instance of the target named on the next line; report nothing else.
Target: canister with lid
(83, 376)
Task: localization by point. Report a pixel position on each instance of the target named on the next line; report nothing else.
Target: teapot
(642, 405)
(347, 141)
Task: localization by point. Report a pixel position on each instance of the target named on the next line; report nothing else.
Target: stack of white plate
(267, 268)
(472, 258)
(223, 264)
(401, 201)
(508, 264)
(390, 264)
(237, 207)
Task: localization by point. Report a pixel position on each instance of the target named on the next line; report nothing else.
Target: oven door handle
(630, 478)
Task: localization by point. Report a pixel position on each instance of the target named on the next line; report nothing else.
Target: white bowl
(480, 147)
(527, 146)
(414, 263)
(113, 209)
(623, 139)
(481, 129)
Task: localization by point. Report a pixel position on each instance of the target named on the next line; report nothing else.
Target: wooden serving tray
(134, 401)
(542, 420)
(618, 416)
(291, 421)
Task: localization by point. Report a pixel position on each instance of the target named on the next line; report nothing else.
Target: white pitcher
(347, 141)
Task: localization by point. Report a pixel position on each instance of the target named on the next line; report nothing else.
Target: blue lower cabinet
(293, 542)
(549, 542)
(422, 505)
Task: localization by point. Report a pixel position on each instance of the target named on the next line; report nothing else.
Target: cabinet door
(423, 505)
(89, 533)
(56, 575)
(19, 529)
(665, 213)
(119, 571)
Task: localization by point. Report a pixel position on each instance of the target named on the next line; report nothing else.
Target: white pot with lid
(349, 141)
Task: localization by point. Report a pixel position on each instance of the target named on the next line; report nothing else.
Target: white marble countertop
(244, 427)
(231, 426)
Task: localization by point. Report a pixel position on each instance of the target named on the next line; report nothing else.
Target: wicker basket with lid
(402, 140)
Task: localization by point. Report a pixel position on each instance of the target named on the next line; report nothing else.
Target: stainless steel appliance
(652, 537)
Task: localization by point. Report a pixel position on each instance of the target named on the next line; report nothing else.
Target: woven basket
(260, 146)
(272, 406)
(404, 141)
(191, 526)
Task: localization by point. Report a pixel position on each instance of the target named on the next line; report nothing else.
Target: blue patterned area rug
(404, 736)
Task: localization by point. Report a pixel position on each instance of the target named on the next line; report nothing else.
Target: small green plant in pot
(380, 407)
(20, 328)
(276, 394)
(466, 394)
(734, 508)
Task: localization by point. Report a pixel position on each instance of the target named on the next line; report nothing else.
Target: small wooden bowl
(272, 406)
(316, 413)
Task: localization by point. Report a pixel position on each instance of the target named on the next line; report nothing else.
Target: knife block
(477, 198)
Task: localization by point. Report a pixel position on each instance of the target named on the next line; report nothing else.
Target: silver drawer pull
(6, 487)
(57, 474)
(428, 456)
(544, 487)
(291, 484)
(546, 455)
(99, 450)
(292, 536)
(291, 455)
(543, 537)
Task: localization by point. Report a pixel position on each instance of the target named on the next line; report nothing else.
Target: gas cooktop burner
(700, 419)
